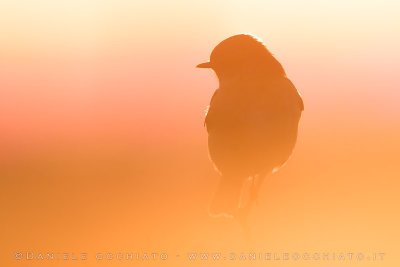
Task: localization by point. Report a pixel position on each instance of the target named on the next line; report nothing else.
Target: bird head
(242, 56)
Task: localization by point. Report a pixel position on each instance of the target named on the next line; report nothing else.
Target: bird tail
(227, 197)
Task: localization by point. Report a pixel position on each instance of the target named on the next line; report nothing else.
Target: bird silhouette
(252, 121)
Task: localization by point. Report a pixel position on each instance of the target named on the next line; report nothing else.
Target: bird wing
(295, 93)
(208, 117)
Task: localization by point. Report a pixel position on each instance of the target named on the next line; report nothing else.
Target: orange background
(102, 141)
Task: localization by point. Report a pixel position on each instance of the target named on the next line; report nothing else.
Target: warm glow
(103, 147)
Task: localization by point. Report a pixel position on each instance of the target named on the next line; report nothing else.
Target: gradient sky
(102, 109)
(73, 64)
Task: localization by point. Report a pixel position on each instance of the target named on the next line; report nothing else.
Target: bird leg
(243, 212)
(255, 188)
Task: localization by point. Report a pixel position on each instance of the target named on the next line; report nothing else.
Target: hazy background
(102, 145)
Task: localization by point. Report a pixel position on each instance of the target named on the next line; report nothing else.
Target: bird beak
(204, 65)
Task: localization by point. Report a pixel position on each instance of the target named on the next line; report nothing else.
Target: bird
(252, 121)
